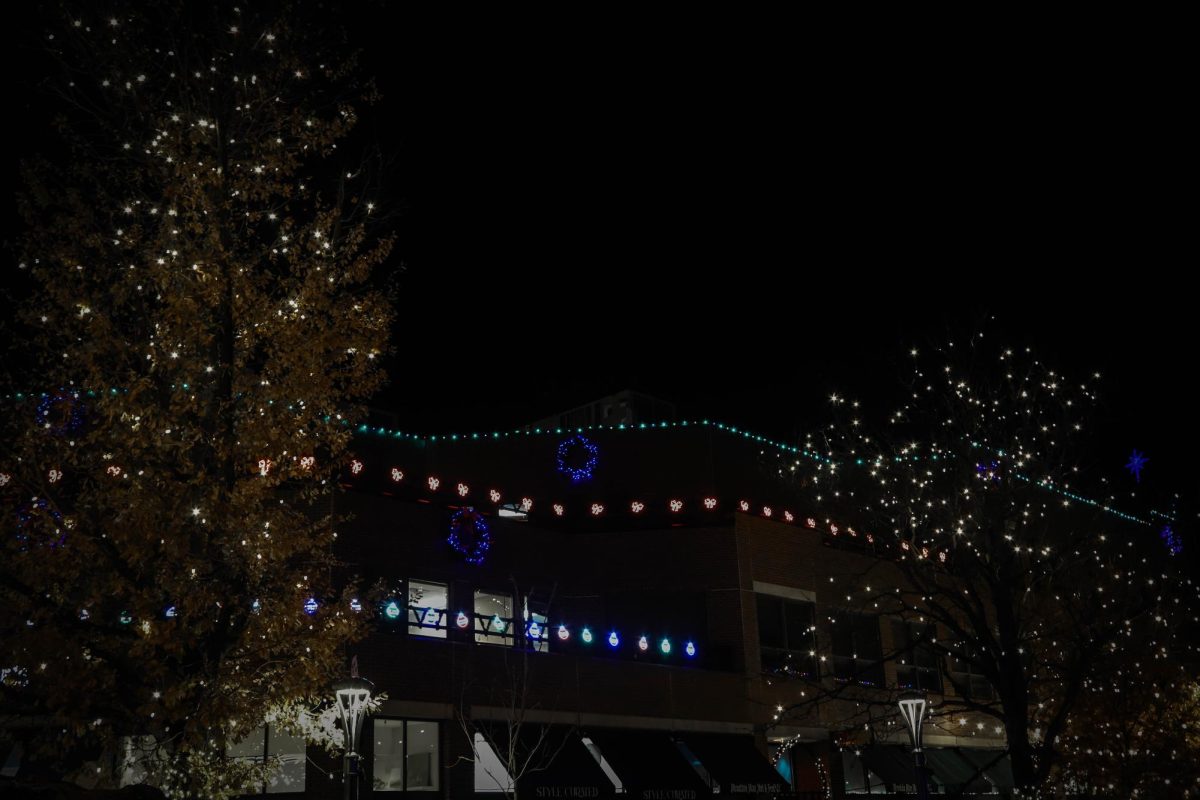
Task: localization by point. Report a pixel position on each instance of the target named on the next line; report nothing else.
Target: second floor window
(493, 617)
(427, 603)
(857, 651)
(966, 677)
(787, 636)
(917, 661)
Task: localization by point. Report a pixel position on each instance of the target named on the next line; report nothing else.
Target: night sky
(730, 220)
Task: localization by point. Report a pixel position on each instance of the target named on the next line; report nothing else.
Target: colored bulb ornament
(535, 630)
(690, 649)
(577, 458)
(170, 612)
(613, 639)
(125, 618)
(255, 607)
(310, 606)
(585, 635)
(461, 621)
(60, 413)
(355, 605)
(498, 623)
(643, 645)
(665, 646)
(563, 633)
(391, 610)
(469, 535)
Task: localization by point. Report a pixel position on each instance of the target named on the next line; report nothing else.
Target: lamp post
(353, 694)
(912, 708)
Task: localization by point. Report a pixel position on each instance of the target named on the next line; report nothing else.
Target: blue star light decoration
(577, 458)
(1171, 540)
(1137, 462)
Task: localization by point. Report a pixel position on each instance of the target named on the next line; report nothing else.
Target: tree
(968, 492)
(202, 330)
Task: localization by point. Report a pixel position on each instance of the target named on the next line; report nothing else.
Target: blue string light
(469, 535)
(575, 449)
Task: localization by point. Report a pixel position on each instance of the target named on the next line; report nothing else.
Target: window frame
(927, 677)
(805, 652)
(416, 616)
(435, 762)
(853, 667)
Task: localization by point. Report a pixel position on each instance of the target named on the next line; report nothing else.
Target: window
(917, 663)
(274, 743)
(427, 604)
(493, 617)
(490, 774)
(405, 756)
(787, 636)
(966, 678)
(857, 652)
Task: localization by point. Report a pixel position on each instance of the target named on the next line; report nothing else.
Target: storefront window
(406, 756)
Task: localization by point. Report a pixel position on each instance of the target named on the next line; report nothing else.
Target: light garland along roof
(733, 430)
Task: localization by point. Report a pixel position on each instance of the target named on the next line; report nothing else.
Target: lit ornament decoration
(577, 458)
(461, 621)
(5, 478)
(563, 633)
(35, 508)
(60, 413)
(310, 606)
(637, 507)
(84, 614)
(535, 630)
(463, 490)
(810, 522)
(264, 466)
(558, 509)
(852, 532)
(255, 607)
(397, 474)
(498, 623)
(710, 503)
(597, 509)
(1171, 540)
(586, 636)
(125, 618)
(787, 515)
(433, 483)
(1135, 465)
(833, 529)
(690, 649)
(355, 605)
(942, 556)
(494, 496)
(307, 462)
(391, 610)
(356, 466)
(526, 504)
(665, 646)
(54, 475)
(643, 645)
(676, 506)
(469, 535)
(744, 506)
(767, 511)
(170, 612)
(114, 471)
(613, 639)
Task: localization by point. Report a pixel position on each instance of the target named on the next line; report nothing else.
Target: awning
(996, 765)
(562, 766)
(955, 772)
(649, 764)
(734, 763)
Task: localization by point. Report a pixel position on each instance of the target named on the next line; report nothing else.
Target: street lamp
(912, 708)
(353, 694)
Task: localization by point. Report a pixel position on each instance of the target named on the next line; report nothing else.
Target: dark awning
(996, 766)
(895, 765)
(648, 762)
(572, 772)
(955, 772)
(735, 763)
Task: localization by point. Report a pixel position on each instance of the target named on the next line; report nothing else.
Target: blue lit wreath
(25, 515)
(469, 535)
(60, 413)
(573, 451)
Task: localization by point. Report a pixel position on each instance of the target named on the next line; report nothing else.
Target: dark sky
(742, 219)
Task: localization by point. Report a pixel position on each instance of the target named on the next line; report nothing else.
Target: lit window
(276, 745)
(406, 755)
(490, 773)
(427, 603)
(493, 617)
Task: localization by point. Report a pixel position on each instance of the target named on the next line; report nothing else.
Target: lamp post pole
(353, 694)
(912, 708)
